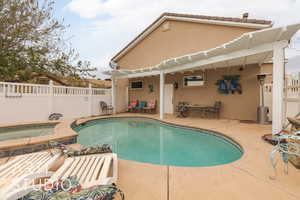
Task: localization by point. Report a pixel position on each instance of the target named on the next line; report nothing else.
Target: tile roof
(230, 19)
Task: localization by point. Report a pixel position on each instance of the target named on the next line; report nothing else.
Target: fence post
(298, 89)
(51, 94)
(90, 99)
(4, 90)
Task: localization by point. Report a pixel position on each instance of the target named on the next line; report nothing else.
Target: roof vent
(245, 15)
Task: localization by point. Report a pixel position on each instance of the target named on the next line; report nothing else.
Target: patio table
(189, 107)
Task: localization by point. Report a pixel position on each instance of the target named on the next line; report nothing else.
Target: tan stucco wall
(267, 68)
(235, 106)
(182, 38)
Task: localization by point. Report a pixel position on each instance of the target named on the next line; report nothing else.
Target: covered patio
(250, 49)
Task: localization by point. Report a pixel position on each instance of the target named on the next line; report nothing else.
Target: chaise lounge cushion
(70, 189)
(69, 152)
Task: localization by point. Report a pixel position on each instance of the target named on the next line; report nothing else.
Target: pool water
(18, 132)
(151, 141)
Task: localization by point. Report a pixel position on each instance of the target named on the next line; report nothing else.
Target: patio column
(114, 94)
(162, 95)
(278, 86)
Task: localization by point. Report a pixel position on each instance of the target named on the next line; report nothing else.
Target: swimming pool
(26, 131)
(151, 141)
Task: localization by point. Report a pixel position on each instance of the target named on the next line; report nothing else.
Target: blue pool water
(151, 141)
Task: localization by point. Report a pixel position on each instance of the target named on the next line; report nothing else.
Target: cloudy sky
(100, 28)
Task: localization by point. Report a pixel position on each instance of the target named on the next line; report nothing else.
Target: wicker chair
(151, 106)
(105, 108)
(215, 110)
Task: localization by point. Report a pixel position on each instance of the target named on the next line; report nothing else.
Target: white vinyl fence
(292, 97)
(21, 102)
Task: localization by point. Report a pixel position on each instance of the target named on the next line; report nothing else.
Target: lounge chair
(141, 106)
(288, 146)
(96, 169)
(105, 108)
(16, 173)
(151, 106)
(133, 104)
(215, 110)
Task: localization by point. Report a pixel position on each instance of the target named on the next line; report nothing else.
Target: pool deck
(245, 179)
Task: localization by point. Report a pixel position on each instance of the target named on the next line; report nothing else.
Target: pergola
(251, 48)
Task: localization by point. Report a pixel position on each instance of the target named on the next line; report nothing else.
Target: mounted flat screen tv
(197, 80)
(137, 85)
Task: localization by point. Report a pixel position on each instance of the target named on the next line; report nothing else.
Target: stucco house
(190, 54)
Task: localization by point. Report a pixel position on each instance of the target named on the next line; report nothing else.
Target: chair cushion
(70, 189)
(98, 149)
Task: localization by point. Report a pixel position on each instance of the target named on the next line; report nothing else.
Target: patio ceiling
(250, 48)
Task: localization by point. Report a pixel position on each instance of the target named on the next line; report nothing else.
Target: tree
(32, 41)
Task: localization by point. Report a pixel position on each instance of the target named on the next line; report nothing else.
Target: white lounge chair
(96, 169)
(22, 170)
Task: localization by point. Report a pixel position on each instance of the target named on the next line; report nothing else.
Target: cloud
(102, 37)
(86, 8)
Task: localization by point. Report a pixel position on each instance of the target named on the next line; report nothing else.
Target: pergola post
(114, 93)
(278, 87)
(162, 95)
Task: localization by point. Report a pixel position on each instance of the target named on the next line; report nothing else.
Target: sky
(100, 28)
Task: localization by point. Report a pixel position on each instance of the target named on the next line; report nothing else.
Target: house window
(136, 85)
(197, 80)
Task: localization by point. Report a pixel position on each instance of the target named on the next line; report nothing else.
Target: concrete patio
(247, 178)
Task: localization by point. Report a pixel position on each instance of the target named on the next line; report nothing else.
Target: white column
(90, 100)
(51, 94)
(278, 86)
(162, 95)
(114, 93)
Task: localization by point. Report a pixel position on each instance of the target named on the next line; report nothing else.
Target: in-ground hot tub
(152, 141)
(26, 131)
(31, 137)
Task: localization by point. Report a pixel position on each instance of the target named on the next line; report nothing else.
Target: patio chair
(151, 106)
(182, 109)
(295, 124)
(21, 171)
(141, 106)
(105, 108)
(90, 170)
(287, 146)
(215, 110)
(133, 104)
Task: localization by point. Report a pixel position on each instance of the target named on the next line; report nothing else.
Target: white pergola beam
(197, 64)
(278, 86)
(227, 57)
(141, 74)
(162, 95)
